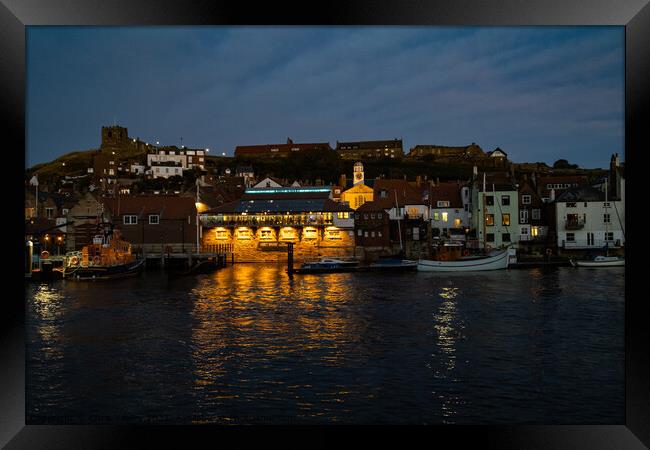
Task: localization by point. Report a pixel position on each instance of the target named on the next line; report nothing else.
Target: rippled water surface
(246, 344)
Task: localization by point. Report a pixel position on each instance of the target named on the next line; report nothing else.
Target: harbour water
(246, 344)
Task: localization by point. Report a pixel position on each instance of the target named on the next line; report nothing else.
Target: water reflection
(47, 306)
(448, 331)
(253, 326)
(248, 344)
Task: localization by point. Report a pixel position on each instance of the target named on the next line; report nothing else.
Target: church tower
(357, 174)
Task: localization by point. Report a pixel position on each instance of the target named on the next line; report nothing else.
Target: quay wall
(255, 246)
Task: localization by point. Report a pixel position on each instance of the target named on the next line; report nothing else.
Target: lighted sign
(332, 233)
(287, 233)
(285, 191)
(243, 233)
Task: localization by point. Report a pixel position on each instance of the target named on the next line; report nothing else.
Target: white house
(585, 219)
(138, 169)
(449, 209)
(163, 156)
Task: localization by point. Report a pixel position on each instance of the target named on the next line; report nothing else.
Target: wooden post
(290, 259)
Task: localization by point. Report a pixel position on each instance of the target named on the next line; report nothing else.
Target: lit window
(489, 220)
(445, 216)
(505, 219)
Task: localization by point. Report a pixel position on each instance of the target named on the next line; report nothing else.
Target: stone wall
(271, 247)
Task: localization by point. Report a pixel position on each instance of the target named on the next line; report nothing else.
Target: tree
(564, 164)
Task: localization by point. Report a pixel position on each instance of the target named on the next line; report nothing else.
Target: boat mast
(606, 223)
(399, 229)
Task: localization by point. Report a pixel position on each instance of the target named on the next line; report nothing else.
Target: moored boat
(392, 265)
(328, 265)
(493, 261)
(108, 257)
(600, 261)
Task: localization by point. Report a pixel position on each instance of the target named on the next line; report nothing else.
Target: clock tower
(357, 174)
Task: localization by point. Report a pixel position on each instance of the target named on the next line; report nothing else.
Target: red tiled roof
(406, 194)
(446, 191)
(381, 204)
(168, 207)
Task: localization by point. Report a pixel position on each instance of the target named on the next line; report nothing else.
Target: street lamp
(59, 239)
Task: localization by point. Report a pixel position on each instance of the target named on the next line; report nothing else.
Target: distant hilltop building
(279, 150)
(468, 151)
(370, 149)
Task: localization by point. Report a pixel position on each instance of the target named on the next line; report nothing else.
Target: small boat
(108, 257)
(329, 265)
(494, 261)
(600, 261)
(392, 265)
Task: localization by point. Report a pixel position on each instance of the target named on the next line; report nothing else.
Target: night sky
(539, 93)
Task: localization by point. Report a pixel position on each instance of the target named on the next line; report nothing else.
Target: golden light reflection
(46, 303)
(449, 331)
(257, 306)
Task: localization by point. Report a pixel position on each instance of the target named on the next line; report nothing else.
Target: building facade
(259, 226)
(495, 213)
(370, 149)
(587, 220)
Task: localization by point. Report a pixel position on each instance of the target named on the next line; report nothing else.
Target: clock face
(357, 176)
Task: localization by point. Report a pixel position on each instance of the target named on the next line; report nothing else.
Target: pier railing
(217, 248)
(595, 244)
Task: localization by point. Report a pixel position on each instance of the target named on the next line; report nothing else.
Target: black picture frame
(15, 15)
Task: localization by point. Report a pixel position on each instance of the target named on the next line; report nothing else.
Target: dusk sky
(538, 93)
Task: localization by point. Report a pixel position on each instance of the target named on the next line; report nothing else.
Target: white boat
(493, 261)
(600, 261)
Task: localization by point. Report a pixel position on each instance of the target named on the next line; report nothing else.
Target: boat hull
(496, 262)
(618, 263)
(105, 272)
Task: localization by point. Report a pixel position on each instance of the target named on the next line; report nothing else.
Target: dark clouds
(539, 93)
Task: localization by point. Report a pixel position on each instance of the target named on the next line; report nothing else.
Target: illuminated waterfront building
(262, 222)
